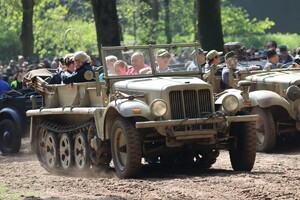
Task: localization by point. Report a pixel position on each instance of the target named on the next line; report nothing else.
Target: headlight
(230, 103)
(158, 107)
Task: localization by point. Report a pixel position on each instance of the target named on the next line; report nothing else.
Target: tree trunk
(26, 37)
(167, 22)
(106, 21)
(209, 24)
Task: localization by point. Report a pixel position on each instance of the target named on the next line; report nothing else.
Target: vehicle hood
(160, 84)
(284, 77)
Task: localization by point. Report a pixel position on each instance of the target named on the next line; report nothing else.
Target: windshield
(152, 60)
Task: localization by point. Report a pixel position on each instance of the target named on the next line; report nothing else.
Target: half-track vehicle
(133, 120)
(14, 124)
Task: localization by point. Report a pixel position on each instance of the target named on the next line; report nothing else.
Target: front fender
(131, 108)
(265, 99)
(237, 94)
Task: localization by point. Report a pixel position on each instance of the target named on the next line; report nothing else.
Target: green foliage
(53, 17)
(236, 22)
(291, 40)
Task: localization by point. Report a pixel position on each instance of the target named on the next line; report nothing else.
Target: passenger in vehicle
(231, 61)
(121, 67)
(273, 60)
(66, 70)
(163, 59)
(213, 59)
(138, 63)
(201, 57)
(284, 56)
(83, 70)
(110, 61)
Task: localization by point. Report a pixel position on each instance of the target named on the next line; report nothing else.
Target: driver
(163, 60)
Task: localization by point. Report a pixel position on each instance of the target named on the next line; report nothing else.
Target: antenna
(65, 35)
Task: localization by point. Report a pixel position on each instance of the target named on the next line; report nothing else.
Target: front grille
(190, 104)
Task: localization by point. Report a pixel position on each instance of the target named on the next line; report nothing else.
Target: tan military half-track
(149, 118)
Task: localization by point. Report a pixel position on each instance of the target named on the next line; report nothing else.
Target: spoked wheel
(265, 130)
(51, 150)
(81, 152)
(41, 145)
(10, 138)
(65, 148)
(126, 148)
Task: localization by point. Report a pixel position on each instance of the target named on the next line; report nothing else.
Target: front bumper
(179, 122)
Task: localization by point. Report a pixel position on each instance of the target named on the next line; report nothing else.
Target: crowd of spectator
(77, 66)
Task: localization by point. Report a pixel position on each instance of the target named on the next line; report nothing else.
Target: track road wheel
(40, 147)
(66, 147)
(243, 147)
(265, 130)
(126, 148)
(81, 152)
(51, 151)
(10, 138)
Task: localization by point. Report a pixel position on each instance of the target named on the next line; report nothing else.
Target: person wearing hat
(213, 58)
(163, 59)
(284, 56)
(201, 57)
(231, 61)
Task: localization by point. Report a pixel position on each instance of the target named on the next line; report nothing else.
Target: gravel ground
(274, 176)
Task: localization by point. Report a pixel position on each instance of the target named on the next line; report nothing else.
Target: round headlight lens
(158, 107)
(230, 103)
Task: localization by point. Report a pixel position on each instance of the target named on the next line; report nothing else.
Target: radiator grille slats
(190, 104)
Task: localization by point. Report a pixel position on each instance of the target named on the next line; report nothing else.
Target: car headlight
(230, 103)
(158, 107)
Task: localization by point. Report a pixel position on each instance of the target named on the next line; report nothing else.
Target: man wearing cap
(213, 59)
(284, 56)
(201, 57)
(231, 61)
(163, 60)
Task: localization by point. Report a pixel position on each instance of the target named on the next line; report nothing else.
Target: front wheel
(10, 138)
(243, 147)
(125, 148)
(265, 130)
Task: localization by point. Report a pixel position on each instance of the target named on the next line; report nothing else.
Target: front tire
(10, 138)
(126, 148)
(243, 148)
(265, 130)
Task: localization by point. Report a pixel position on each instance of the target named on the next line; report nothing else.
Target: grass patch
(4, 194)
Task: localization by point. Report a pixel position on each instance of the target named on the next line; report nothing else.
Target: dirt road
(275, 176)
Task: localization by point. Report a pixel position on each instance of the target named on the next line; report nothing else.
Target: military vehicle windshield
(152, 60)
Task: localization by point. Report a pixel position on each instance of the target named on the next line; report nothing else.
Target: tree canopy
(51, 18)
